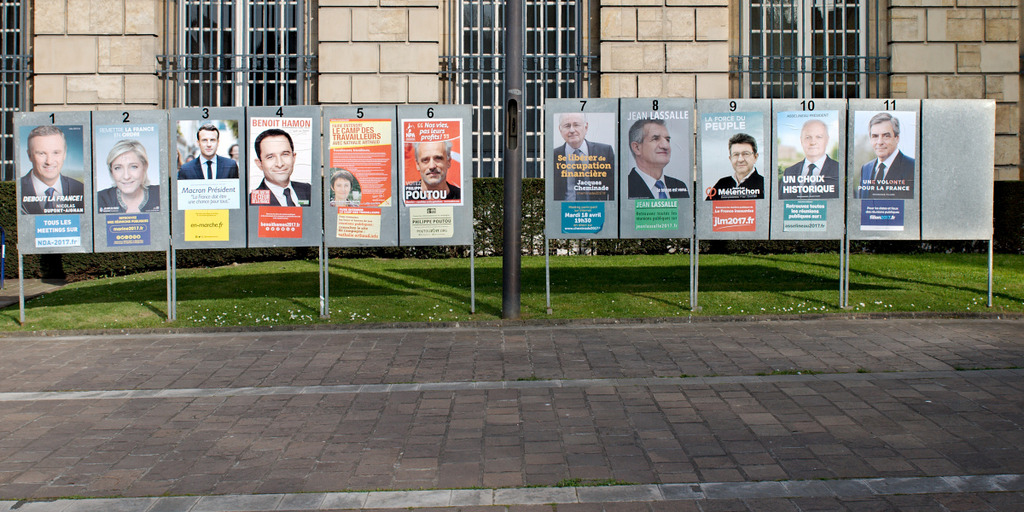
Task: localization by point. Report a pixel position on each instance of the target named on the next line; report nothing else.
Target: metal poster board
(656, 158)
(207, 190)
(436, 174)
(883, 179)
(360, 174)
(53, 150)
(580, 189)
(734, 151)
(284, 179)
(130, 181)
(957, 169)
(808, 169)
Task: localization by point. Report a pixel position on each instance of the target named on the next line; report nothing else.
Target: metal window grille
(473, 68)
(249, 52)
(14, 72)
(809, 48)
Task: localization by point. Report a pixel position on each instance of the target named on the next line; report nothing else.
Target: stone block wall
(962, 49)
(664, 48)
(96, 54)
(378, 51)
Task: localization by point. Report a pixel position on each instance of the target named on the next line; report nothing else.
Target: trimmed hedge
(487, 212)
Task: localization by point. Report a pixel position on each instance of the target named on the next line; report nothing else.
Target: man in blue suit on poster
(208, 166)
(891, 173)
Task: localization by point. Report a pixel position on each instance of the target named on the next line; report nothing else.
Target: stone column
(661, 48)
(378, 51)
(962, 49)
(96, 54)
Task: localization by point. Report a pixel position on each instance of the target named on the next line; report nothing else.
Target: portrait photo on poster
(204, 149)
(360, 162)
(52, 168)
(658, 156)
(807, 154)
(584, 156)
(732, 167)
(280, 161)
(127, 168)
(884, 146)
(432, 162)
(208, 177)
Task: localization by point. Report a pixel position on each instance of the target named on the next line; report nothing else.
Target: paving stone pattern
(610, 405)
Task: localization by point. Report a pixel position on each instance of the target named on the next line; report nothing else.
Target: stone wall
(962, 49)
(96, 54)
(665, 48)
(378, 51)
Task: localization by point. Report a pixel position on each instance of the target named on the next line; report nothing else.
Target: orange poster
(360, 166)
(280, 222)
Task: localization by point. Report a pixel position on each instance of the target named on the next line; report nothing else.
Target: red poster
(733, 216)
(280, 222)
(432, 161)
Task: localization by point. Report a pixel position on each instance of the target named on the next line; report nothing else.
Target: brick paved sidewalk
(248, 414)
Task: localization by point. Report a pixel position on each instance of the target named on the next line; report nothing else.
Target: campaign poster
(733, 216)
(280, 170)
(360, 162)
(432, 222)
(732, 166)
(881, 215)
(583, 217)
(54, 183)
(280, 174)
(883, 154)
(584, 156)
(208, 177)
(805, 216)
(358, 223)
(127, 172)
(807, 154)
(432, 162)
(658, 156)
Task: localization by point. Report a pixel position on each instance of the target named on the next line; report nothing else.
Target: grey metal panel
(717, 121)
(426, 218)
(957, 169)
(280, 226)
(209, 203)
(366, 144)
(889, 210)
(569, 218)
(677, 114)
(808, 208)
(57, 228)
(116, 230)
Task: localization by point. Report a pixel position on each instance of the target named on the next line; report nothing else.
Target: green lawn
(374, 290)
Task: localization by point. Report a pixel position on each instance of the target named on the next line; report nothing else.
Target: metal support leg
(694, 273)
(325, 279)
(472, 278)
(991, 252)
(172, 281)
(547, 273)
(21, 287)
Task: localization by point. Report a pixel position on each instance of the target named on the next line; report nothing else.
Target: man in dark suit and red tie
(208, 166)
(891, 173)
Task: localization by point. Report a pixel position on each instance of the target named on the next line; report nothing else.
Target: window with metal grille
(14, 71)
(473, 67)
(809, 48)
(240, 53)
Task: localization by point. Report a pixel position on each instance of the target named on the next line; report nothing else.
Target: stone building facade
(105, 54)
